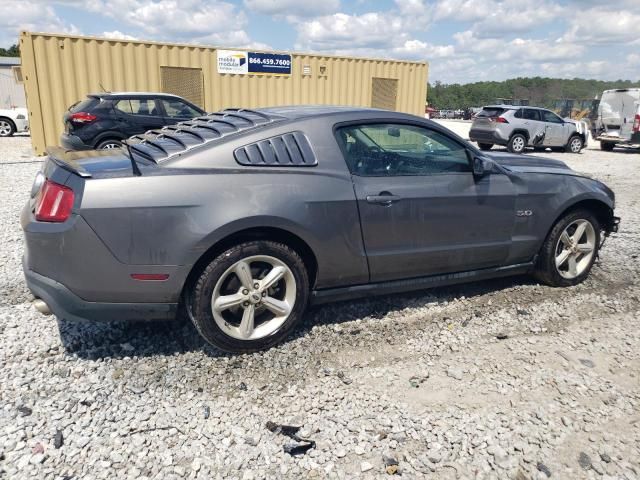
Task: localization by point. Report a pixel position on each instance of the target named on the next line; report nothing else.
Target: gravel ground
(502, 379)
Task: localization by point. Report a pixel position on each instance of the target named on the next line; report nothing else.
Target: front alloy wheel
(575, 145)
(249, 297)
(570, 249)
(575, 249)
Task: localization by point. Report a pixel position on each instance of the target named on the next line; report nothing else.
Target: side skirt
(398, 286)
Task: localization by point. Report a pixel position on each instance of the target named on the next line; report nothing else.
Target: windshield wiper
(134, 165)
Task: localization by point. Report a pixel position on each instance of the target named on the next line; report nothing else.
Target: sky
(463, 40)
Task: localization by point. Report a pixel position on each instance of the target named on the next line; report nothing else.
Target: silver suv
(522, 127)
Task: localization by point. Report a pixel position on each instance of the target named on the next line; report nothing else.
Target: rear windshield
(491, 112)
(84, 105)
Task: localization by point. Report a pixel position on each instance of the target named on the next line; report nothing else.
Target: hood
(531, 164)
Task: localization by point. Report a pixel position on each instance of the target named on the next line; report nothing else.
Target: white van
(618, 119)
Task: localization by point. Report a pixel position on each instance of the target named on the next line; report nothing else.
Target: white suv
(13, 120)
(522, 127)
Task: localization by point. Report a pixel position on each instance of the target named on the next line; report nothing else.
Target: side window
(551, 117)
(518, 113)
(531, 114)
(138, 106)
(176, 108)
(375, 150)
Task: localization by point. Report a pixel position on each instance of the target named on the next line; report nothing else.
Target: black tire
(104, 144)
(485, 146)
(607, 146)
(574, 145)
(545, 270)
(517, 143)
(200, 297)
(8, 127)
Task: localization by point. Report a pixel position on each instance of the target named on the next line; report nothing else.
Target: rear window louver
(288, 150)
(162, 144)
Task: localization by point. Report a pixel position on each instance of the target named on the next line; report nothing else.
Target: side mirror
(481, 166)
(393, 131)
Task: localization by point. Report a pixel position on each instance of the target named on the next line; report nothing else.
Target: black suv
(103, 120)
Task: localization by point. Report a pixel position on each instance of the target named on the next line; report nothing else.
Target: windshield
(490, 112)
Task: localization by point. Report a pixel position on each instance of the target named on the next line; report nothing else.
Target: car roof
(296, 112)
(162, 144)
(131, 94)
(513, 107)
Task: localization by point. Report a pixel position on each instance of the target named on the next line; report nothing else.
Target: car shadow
(119, 339)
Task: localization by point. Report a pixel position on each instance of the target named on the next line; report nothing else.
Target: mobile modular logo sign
(232, 61)
(253, 63)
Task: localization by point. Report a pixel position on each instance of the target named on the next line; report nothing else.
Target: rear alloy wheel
(250, 297)
(575, 144)
(607, 146)
(485, 146)
(570, 250)
(109, 144)
(7, 128)
(517, 143)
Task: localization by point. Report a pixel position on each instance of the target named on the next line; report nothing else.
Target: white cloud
(494, 18)
(16, 15)
(118, 35)
(215, 22)
(340, 31)
(518, 49)
(419, 50)
(295, 8)
(604, 25)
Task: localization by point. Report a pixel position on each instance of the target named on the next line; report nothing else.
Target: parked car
(103, 120)
(618, 119)
(13, 120)
(521, 127)
(242, 217)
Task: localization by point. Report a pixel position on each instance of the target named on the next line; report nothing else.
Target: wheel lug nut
(264, 294)
(246, 304)
(256, 286)
(245, 292)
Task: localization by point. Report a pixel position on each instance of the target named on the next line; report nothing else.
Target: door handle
(385, 199)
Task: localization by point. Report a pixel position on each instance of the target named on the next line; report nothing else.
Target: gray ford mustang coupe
(241, 218)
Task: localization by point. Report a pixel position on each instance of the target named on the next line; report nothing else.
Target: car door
(176, 110)
(532, 122)
(555, 129)
(422, 211)
(138, 114)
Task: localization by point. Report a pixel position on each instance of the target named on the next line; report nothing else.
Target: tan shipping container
(60, 70)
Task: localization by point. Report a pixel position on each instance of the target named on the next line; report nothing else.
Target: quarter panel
(174, 219)
(546, 196)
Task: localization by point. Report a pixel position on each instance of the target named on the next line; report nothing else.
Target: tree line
(539, 91)
(12, 51)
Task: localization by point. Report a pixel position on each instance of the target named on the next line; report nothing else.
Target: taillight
(82, 117)
(54, 203)
(501, 120)
(636, 123)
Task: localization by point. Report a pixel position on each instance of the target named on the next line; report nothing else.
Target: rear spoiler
(68, 159)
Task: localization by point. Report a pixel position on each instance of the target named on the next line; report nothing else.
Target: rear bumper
(22, 125)
(634, 139)
(65, 304)
(70, 262)
(73, 142)
(484, 136)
